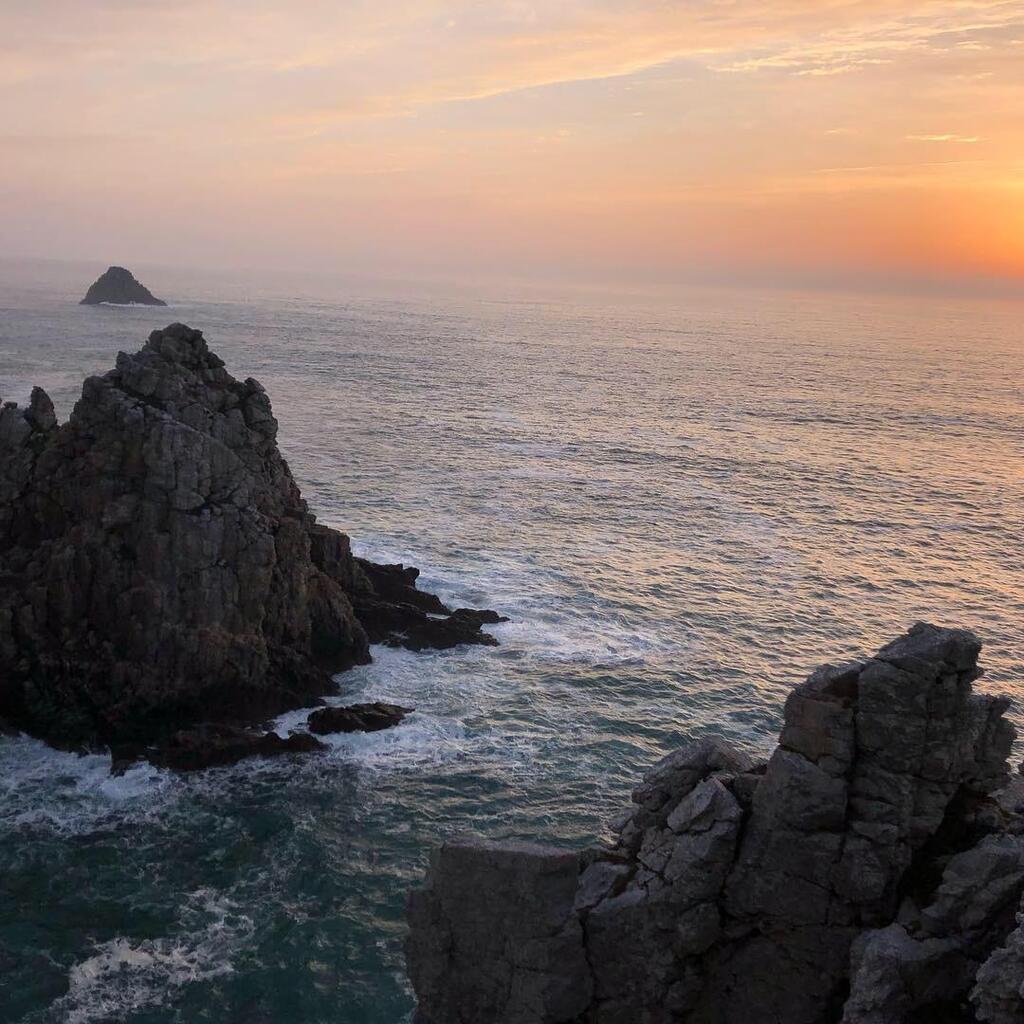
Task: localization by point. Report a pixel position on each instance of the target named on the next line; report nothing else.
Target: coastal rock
(998, 995)
(494, 937)
(215, 745)
(394, 612)
(867, 872)
(159, 568)
(117, 286)
(356, 718)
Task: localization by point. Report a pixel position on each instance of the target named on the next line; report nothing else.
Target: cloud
(367, 105)
(945, 138)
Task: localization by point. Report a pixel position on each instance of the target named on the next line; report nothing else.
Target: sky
(790, 142)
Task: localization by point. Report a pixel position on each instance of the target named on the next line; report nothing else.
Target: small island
(118, 287)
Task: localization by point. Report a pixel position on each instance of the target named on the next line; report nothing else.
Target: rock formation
(118, 287)
(866, 873)
(159, 568)
(356, 718)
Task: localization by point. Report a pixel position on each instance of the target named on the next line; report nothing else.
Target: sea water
(684, 501)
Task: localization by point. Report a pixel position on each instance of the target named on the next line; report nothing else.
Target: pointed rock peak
(40, 411)
(118, 286)
(179, 343)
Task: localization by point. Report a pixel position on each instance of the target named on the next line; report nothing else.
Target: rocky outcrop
(864, 873)
(118, 287)
(357, 718)
(160, 569)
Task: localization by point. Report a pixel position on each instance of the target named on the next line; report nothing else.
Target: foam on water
(67, 794)
(123, 976)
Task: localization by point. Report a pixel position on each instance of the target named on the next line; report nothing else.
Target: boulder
(159, 568)
(118, 287)
(869, 871)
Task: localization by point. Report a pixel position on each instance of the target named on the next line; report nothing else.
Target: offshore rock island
(118, 287)
(870, 872)
(163, 585)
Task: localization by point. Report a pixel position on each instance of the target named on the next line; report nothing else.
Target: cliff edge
(868, 873)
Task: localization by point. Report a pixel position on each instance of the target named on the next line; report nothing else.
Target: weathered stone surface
(493, 937)
(118, 287)
(864, 873)
(998, 994)
(357, 718)
(159, 567)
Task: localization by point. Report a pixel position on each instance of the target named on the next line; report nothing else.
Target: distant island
(119, 287)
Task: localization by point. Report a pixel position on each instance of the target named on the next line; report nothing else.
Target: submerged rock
(864, 873)
(117, 286)
(160, 569)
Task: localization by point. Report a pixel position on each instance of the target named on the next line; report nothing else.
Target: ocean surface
(684, 501)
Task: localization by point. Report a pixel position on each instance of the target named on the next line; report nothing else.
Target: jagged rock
(159, 567)
(356, 718)
(864, 873)
(118, 287)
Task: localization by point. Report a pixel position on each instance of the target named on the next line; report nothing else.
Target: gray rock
(850, 877)
(998, 994)
(493, 935)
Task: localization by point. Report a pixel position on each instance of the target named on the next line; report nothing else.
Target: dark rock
(865, 873)
(216, 745)
(159, 567)
(118, 287)
(357, 718)
(405, 625)
(501, 934)
(479, 616)
(396, 584)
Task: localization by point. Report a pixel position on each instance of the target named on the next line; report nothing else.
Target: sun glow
(860, 141)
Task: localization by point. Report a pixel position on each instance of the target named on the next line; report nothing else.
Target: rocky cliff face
(159, 567)
(118, 287)
(865, 874)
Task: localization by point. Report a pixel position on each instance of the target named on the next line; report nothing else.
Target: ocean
(685, 501)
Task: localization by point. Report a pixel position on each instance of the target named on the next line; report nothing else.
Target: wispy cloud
(319, 110)
(945, 138)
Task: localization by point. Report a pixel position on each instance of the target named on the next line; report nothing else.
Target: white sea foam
(442, 688)
(68, 794)
(125, 975)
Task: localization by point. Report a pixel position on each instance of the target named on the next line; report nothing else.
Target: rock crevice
(868, 872)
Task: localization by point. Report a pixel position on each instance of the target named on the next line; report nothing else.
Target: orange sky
(783, 141)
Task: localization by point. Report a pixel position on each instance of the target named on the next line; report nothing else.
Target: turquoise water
(684, 502)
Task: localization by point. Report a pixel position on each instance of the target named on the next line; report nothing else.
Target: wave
(123, 976)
